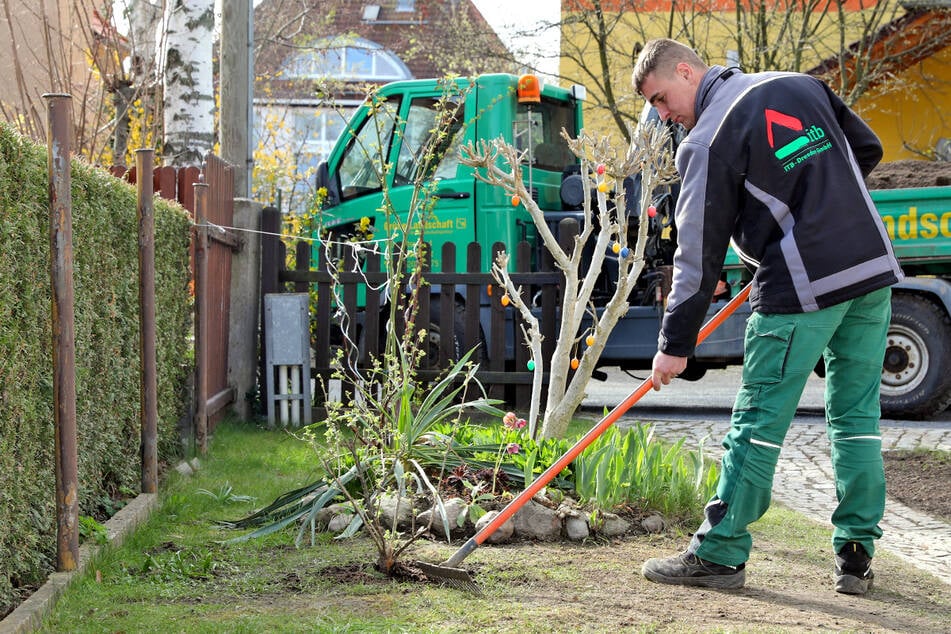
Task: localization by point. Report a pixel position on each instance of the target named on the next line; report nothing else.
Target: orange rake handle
(549, 474)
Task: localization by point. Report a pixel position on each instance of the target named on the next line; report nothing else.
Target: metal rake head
(458, 578)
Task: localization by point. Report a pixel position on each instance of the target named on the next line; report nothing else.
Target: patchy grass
(173, 575)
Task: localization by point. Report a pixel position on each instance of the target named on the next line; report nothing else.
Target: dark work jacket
(776, 162)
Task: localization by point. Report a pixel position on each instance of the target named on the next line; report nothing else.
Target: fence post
(422, 320)
(549, 304)
(243, 313)
(322, 351)
(447, 311)
(148, 395)
(473, 301)
(523, 354)
(497, 332)
(372, 320)
(351, 348)
(59, 132)
(201, 331)
(270, 267)
(302, 255)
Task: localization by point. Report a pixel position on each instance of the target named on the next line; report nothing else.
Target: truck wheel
(916, 372)
(433, 359)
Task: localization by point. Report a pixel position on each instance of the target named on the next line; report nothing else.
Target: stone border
(29, 615)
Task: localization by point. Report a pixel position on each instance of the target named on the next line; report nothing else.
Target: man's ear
(685, 70)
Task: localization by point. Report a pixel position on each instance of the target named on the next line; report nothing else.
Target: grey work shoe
(686, 569)
(853, 569)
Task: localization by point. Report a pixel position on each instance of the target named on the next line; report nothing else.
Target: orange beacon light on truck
(529, 89)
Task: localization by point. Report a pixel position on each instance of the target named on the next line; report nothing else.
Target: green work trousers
(780, 352)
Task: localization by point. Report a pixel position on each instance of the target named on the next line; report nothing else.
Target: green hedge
(105, 246)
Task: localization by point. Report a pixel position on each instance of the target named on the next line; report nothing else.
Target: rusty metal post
(201, 317)
(59, 133)
(148, 387)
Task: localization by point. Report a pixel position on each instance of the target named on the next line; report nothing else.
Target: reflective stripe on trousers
(780, 353)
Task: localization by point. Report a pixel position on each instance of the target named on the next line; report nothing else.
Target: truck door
(427, 181)
(409, 144)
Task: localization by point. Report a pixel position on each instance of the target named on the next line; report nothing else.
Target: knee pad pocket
(766, 351)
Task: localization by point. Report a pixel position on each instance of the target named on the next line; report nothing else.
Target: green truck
(916, 373)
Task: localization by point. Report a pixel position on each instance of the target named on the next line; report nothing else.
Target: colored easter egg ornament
(602, 187)
(616, 247)
(531, 364)
(651, 211)
(600, 169)
(625, 252)
(488, 290)
(589, 340)
(574, 364)
(505, 300)
(515, 201)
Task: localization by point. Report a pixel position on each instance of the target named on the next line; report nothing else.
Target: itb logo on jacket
(797, 143)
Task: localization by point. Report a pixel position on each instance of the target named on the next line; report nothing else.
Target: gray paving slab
(28, 616)
(804, 482)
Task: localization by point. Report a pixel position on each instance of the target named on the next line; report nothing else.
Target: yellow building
(59, 47)
(909, 102)
(900, 55)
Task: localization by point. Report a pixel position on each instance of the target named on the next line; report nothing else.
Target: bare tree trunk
(186, 71)
(145, 25)
(121, 99)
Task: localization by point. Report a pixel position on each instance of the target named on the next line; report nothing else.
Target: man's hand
(665, 368)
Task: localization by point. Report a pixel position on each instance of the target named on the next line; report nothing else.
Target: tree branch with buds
(605, 226)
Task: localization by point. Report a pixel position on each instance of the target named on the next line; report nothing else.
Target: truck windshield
(361, 168)
(430, 142)
(539, 126)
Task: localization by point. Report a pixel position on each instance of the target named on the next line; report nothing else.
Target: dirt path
(909, 173)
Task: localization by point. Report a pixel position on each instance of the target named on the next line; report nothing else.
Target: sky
(511, 19)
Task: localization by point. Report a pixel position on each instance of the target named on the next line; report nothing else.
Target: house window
(405, 6)
(349, 59)
(300, 136)
(318, 129)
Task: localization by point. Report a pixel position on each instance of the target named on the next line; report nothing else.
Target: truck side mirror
(325, 180)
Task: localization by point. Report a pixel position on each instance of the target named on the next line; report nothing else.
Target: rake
(450, 573)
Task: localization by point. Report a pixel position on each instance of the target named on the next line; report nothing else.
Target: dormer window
(405, 6)
(346, 58)
(371, 12)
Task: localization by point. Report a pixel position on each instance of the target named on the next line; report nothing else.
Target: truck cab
(405, 139)
(398, 161)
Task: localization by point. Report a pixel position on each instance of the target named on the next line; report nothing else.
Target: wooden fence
(464, 307)
(208, 195)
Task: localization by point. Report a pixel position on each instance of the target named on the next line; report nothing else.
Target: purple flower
(510, 420)
(513, 448)
(521, 422)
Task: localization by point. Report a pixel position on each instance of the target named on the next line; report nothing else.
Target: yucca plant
(370, 449)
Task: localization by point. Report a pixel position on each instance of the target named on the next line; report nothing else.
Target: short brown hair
(661, 56)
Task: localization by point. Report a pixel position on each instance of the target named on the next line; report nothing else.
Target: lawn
(173, 574)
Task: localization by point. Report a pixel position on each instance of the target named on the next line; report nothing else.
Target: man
(776, 162)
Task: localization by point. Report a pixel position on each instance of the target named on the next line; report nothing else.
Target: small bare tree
(606, 223)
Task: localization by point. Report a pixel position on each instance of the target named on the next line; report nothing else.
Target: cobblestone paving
(804, 482)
